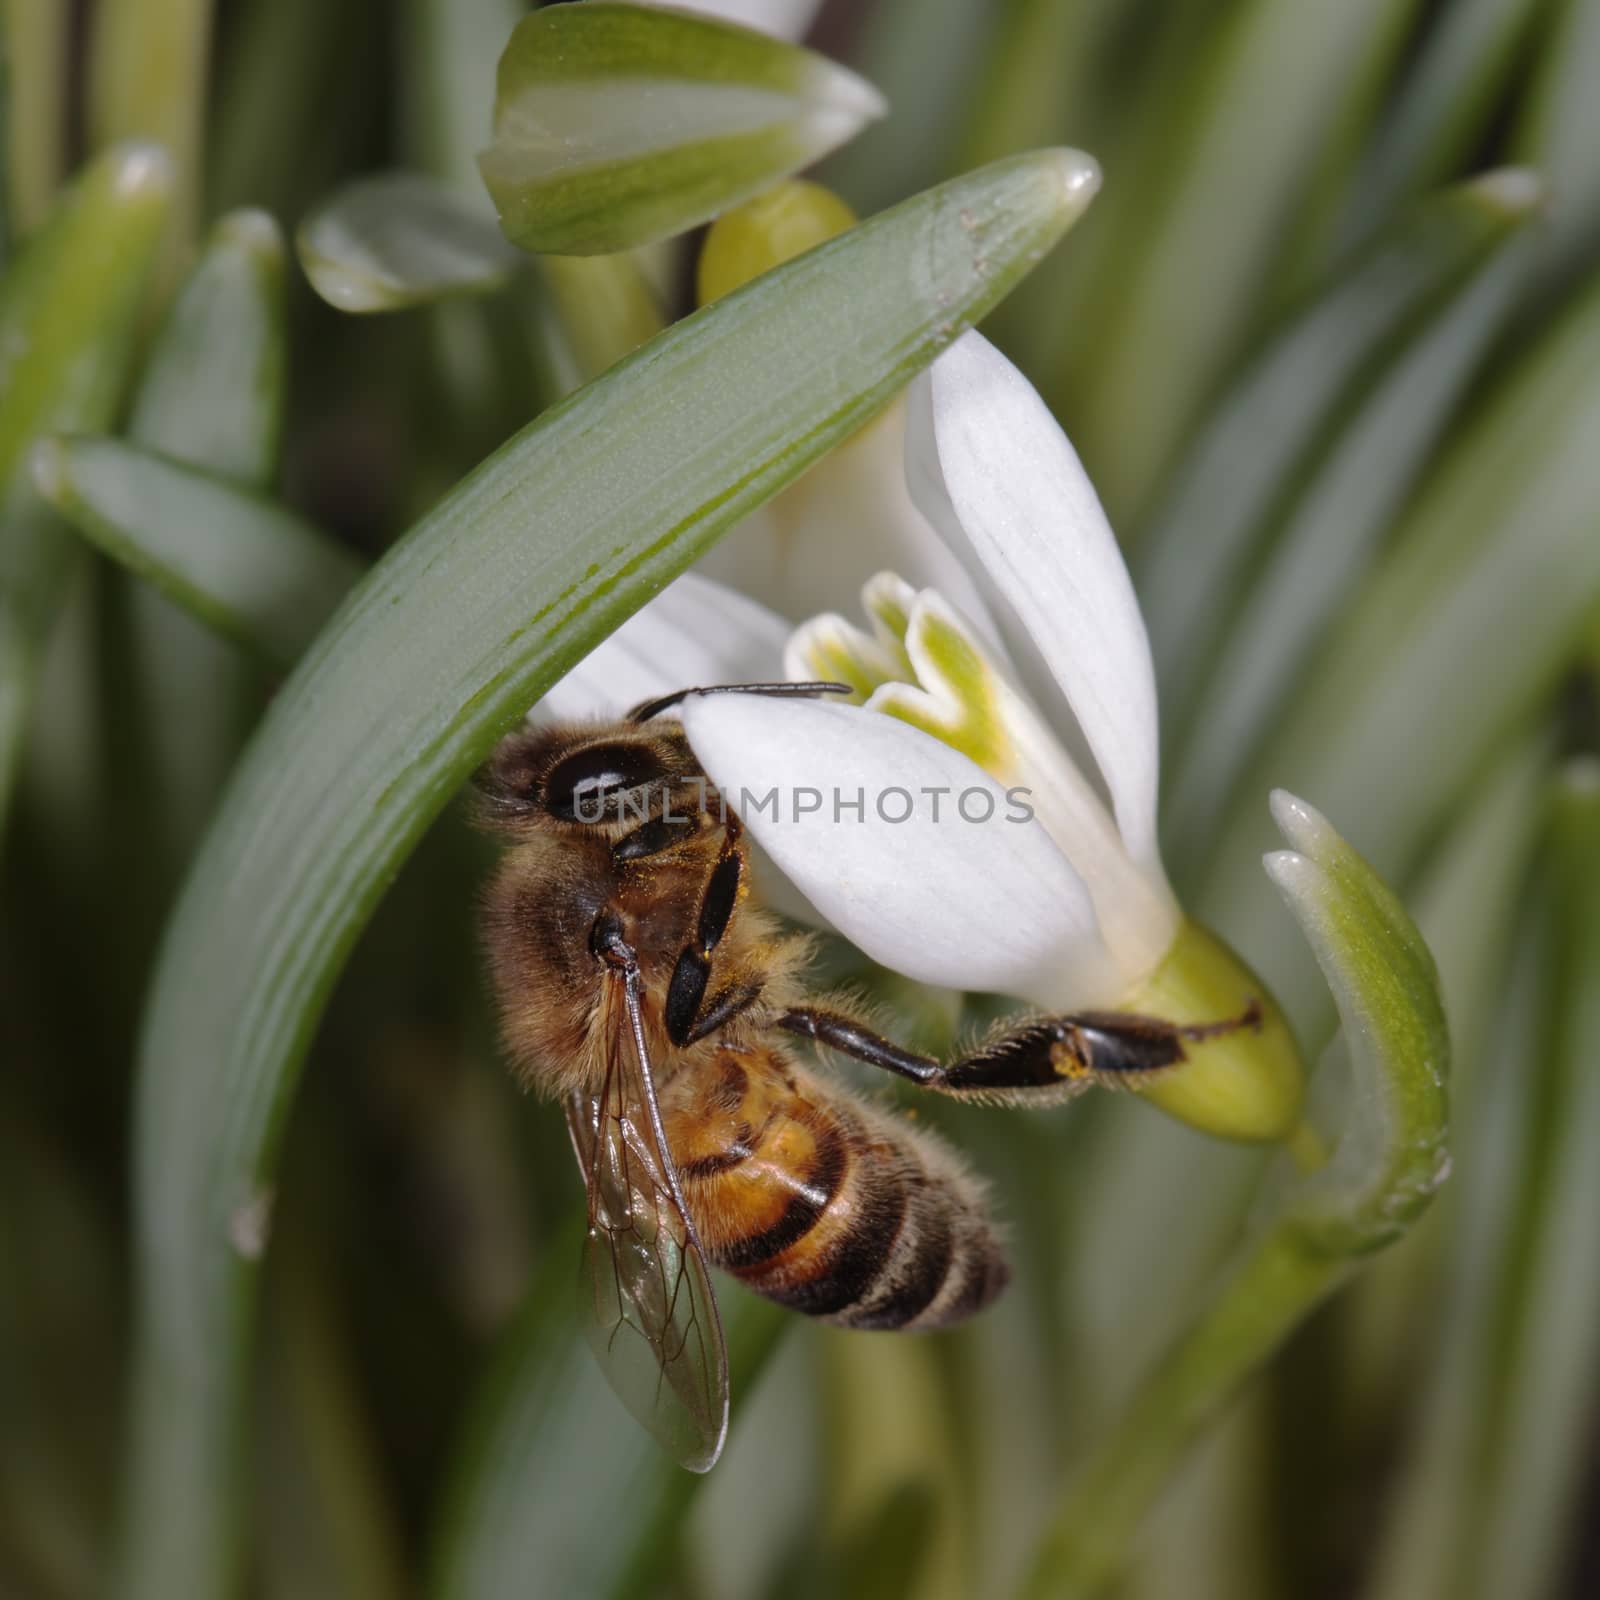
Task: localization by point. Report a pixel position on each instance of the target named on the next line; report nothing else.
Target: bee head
(585, 775)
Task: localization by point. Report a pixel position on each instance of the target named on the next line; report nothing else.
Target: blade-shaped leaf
(245, 566)
(401, 239)
(33, 61)
(211, 392)
(512, 578)
(546, 1441)
(1482, 598)
(1490, 1497)
(618, 124)
(1558, 133)
(1336, 519)
(1442, 106)
(68, 312)
(1389, 1161)
(1269, 99)
(1196, 557)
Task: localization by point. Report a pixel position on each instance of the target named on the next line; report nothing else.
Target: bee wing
(646, 1301)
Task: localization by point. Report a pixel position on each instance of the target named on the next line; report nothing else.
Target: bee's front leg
(1047, 1058)
(689, 1013)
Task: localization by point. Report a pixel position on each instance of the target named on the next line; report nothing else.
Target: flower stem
(1261, 1303)
(1388, 1163)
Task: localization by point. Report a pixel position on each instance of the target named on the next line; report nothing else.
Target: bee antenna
(654, 708)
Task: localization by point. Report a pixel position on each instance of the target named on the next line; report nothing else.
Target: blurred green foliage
(1327, 343)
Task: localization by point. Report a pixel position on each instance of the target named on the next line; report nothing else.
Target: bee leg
(1046, 1057)
(688, 1017)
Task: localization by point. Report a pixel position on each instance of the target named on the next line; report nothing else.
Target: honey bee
(640, 982)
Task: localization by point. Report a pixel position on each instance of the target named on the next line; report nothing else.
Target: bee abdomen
(840, 1213)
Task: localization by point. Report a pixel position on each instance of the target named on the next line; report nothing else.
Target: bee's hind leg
(1046, 1058)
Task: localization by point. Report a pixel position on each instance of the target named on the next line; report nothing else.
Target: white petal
(995, 474)
(972, 904)
(976, 709)
(815, 545)
(784, 19)
(694, 632)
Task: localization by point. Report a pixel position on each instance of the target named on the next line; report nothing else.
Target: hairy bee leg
(724, 1007)
(1050, 1053)
(686, 1014)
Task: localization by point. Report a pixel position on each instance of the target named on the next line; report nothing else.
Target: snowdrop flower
(987, 816)
(984, 817)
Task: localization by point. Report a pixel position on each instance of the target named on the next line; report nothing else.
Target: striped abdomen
(826, 1205)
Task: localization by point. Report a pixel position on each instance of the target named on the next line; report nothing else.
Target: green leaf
(1531, 1509)
(401, 239)
(1490, 1496)
(618, 124)
(1273, 90)
(1389, 1161)
(514, 576)
(1442, 108)
(147, 80)
(244, 565)
(68, 314)
(33, 58)
(546, 1435)
(1482, 599)
(1330, 524)
(1559, 131)
(1467, 905)
(1213, 526)
(211, 393)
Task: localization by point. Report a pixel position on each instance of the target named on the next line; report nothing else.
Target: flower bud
(786, 221)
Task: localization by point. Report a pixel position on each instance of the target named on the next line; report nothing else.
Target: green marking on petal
(831, 649)
(888, 599)
(958, 675)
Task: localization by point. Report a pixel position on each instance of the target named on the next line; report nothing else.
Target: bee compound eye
(586, 786)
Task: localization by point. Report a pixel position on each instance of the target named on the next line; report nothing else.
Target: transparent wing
(646, 1301)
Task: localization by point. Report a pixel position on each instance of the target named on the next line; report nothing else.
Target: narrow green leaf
(1427, 1544)
(1490, 1495)
(1467, 905)
(510, 580)
(1334, 520)
(68, 313)
(1388, 1163)
(1194, 560)
(546, 1439)
(1180, 290)
(147, 80)
(245, 566)
(1442, 108)
(401, 239)
(1482, 599)
(1532, 1507)
(1559, 132)
(34, 50)
(618, 124)
(211, 393)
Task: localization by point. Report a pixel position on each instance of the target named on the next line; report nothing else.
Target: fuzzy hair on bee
(641, 983)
